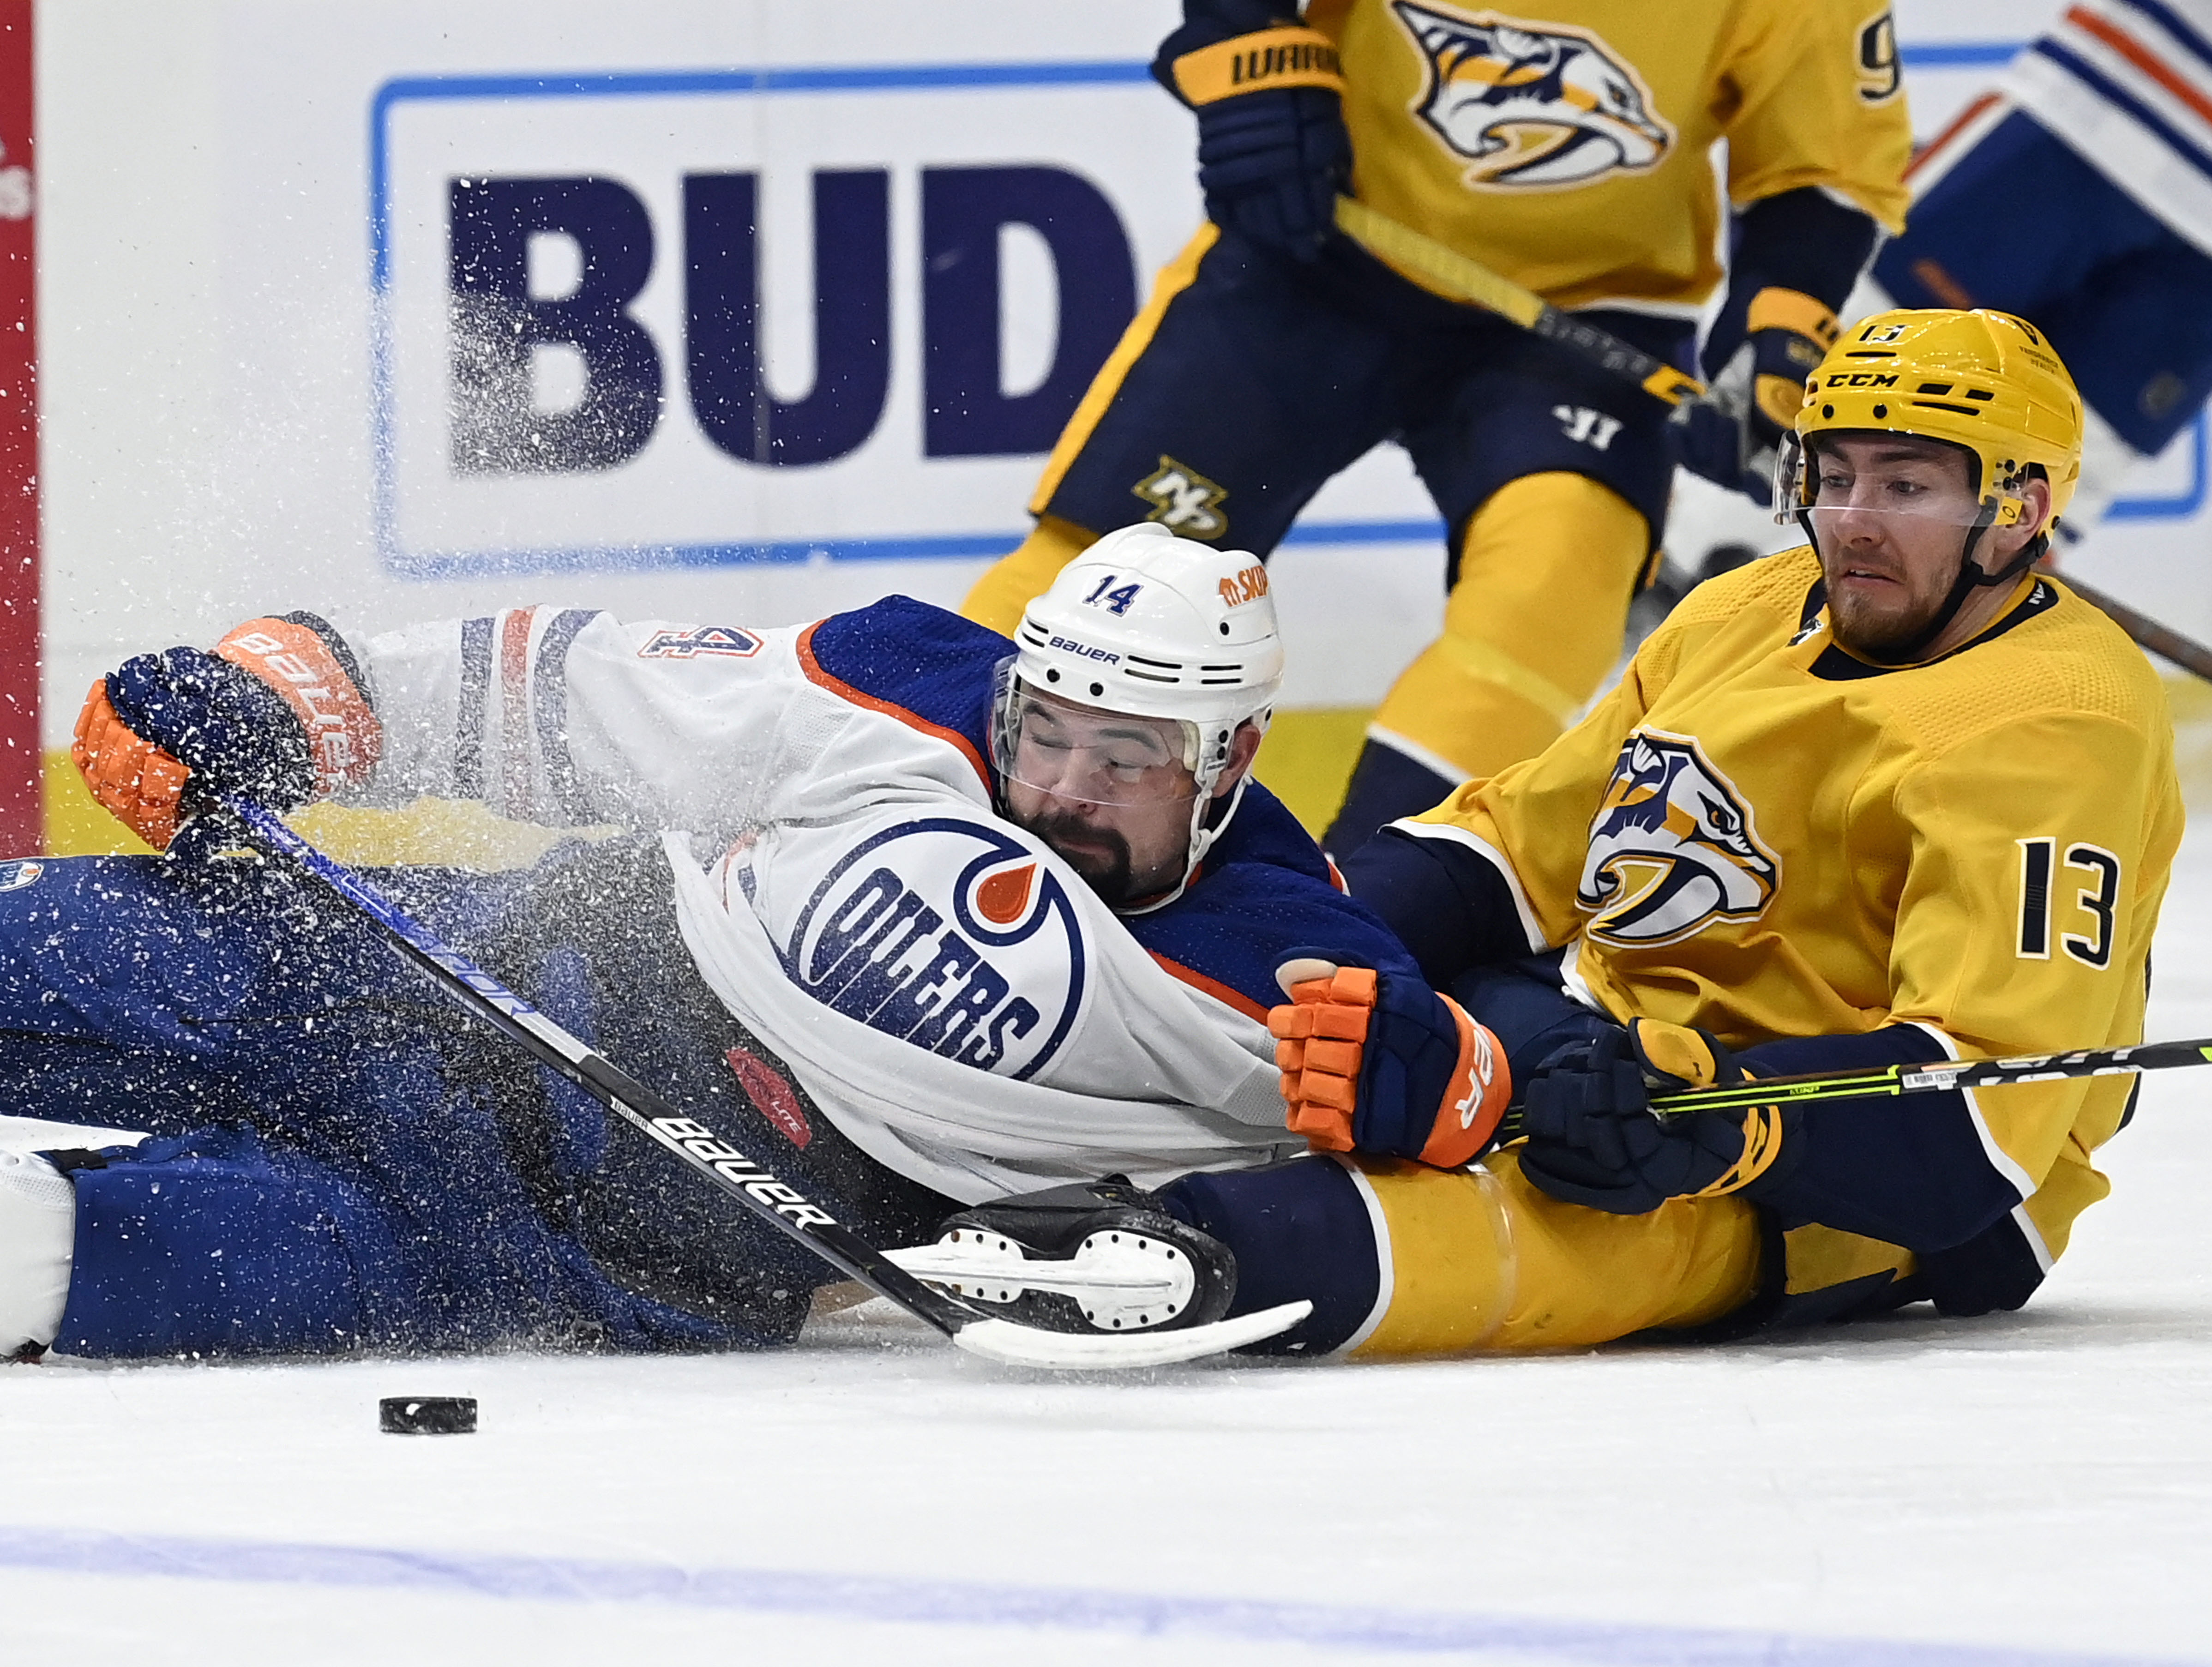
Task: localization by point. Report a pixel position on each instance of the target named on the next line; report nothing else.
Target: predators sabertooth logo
(1183, 501)
(1531, 105)
(1672, 849)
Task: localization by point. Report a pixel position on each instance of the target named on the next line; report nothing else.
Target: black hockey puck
(426, 1414)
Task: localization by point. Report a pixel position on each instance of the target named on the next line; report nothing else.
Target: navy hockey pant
(339, 1159)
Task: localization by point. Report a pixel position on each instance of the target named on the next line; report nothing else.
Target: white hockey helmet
(1147, 624)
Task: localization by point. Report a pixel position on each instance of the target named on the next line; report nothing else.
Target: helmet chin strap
(1971, 579)
(1209, 820)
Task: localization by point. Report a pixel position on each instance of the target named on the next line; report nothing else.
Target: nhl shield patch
(688, 642)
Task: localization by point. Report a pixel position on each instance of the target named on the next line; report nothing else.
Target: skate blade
(1078, 1351)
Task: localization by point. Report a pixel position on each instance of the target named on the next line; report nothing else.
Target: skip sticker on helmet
(1246, 586)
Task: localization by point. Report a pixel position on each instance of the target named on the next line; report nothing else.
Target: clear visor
(1087, 755)
(1909, 485)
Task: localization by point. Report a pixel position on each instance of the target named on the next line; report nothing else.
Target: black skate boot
(1098, 1256)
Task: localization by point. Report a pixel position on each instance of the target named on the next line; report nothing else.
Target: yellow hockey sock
(1533, 625)
(1001, 595)
(1481, 1259)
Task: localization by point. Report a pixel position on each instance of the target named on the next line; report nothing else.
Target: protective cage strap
(1290, 57)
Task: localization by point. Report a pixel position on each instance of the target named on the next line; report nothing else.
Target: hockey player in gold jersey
(1894, 796)
(1571, 152)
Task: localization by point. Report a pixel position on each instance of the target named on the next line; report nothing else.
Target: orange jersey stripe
(1213, 987)
(514, 715)
(2142, 56)
(1957, 125)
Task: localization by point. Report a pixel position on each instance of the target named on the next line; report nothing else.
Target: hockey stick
(1934, 1078)
(724, 1167)
(2161, 639)
(1466, 279)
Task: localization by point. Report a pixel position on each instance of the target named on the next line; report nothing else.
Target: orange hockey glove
(275, 711)
(1376, 1061)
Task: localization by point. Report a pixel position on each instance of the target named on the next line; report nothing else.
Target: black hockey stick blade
(722, 1166)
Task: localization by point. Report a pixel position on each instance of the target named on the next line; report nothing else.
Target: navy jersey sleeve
(1450, 907)
(1264, 895)
(920, 659)
(1906, 1169)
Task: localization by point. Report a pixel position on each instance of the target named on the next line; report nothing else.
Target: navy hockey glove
(1273, 150)
(1594, 1140)
(1377, 1061)
(1757, 374)
(275, 712)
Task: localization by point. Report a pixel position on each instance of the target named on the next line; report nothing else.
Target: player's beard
(1880, 635)
(1100, 854)
(1884, 634)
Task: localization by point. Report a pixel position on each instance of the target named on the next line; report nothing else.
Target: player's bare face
(1109, 792)
(1890, 516)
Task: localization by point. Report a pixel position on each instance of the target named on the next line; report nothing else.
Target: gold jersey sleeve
(1758, 833)
(1572, 148)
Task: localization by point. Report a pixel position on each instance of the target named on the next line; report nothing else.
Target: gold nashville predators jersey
(1571, 147)
(1757, 833)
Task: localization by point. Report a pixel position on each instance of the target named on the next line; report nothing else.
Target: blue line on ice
(894, 1600)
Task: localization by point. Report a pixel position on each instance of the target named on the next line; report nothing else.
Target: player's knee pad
(1540, 598)
(1001, 595)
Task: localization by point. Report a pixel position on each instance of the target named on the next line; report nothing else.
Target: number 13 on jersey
(2097, 901)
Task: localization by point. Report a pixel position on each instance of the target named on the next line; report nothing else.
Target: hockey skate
(1100, 1256)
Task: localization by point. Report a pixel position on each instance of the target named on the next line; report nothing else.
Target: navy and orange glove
(1595, 1140)
(1374, 1062)
(276, 712)
(1272, 150)
(1757, 371)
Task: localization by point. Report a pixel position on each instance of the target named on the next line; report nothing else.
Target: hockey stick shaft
(1465, 278)
(1886, 1081)
(713, 1158)
(2161, 639)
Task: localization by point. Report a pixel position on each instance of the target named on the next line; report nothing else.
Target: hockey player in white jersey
(925, 917)
(2100, 131)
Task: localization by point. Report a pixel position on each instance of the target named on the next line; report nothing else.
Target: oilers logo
(1672, 849)
(1532, 105)
(951, 934)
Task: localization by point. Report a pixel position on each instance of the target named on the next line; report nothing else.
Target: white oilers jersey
(963, 1006)
(2127, 83)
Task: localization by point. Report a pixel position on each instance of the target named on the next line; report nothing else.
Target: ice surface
(2033, 1488)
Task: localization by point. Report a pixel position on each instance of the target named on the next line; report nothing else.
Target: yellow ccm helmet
(1983, 380)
